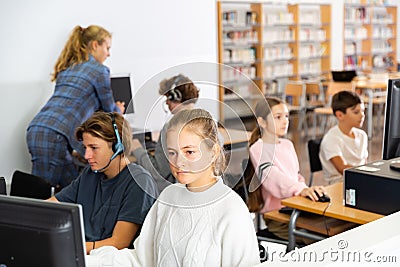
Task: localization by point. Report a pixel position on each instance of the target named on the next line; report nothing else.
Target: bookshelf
(370, 37)
(278, 38)
(312, 47)
(239, 55)
(263, 45)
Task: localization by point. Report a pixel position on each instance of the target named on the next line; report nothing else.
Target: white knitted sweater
(183, 228)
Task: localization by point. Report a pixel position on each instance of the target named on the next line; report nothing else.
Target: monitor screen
(122, 91)
(391, 134)
(40, 233)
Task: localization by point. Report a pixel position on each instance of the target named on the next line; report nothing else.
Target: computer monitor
(122, 91)
(343, 76)
(40, 233)
(391, 134)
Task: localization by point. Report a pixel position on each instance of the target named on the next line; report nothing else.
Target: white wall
(148, 38)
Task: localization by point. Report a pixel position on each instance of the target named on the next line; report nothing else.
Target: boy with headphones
(115, 195)
(180, 93)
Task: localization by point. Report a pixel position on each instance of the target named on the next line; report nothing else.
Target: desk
(336, 210)
(373, 89)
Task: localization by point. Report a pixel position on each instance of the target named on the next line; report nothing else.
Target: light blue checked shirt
(80, 91)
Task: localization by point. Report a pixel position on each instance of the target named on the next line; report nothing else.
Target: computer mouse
(323, 198)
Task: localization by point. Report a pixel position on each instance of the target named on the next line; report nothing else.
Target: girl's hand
(121, 106)
(311, 192)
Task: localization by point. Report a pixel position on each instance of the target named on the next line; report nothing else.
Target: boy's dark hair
(344, 100)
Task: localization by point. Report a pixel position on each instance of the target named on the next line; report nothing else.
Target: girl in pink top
(280, 177)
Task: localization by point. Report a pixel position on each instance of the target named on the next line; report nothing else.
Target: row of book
(278, 53)
(310, 67)
(239, 55)
(358, 33)
(311, 51)
(366, 15)
(318, 35)
(236, 73)
(278, 18)
(361, 33)
(240, 37)
(239, 17)
(278, 35)
(278, 70)
(310, 15)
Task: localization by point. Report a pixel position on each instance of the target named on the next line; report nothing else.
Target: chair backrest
(3, 190)
(295, 93)
(313, 146)
(313, 88)
(31, 186)
(313, 153)
(335, 87)
(245, 161)
(315, 94)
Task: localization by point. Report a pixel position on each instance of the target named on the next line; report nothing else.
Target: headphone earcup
(178, 95)
(175, 95)
(117, 148)
(172, 95)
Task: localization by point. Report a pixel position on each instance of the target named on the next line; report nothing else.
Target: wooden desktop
(336, 209)
(349, 217)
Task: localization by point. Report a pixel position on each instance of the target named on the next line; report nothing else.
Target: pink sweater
(282, 179)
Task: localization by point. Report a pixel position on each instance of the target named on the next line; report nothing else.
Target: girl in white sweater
(198, 221)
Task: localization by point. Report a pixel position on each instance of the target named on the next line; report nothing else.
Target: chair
(262, 234)
(314, 95)
(3, 190)
(326, 111)
(30, 186)
(295, 96)
(313, 146)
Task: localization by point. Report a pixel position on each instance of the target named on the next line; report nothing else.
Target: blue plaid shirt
(80, 91)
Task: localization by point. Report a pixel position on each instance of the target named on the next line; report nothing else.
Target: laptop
(344, 76)
(122, 91)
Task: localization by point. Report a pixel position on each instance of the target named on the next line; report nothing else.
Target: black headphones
(118, 146)
(175, 95)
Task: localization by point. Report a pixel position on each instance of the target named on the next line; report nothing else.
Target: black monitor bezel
(124, 95)
(50, 223)
(390, 146)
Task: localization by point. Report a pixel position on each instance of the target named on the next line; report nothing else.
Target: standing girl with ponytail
(82, 86)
